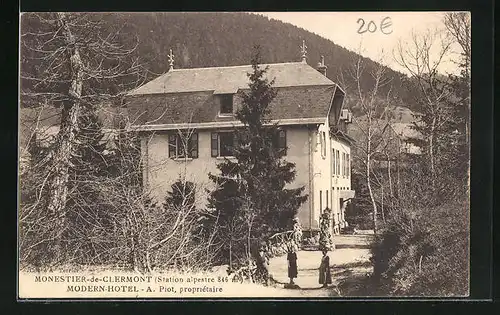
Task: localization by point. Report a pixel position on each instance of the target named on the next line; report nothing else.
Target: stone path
(349, 262)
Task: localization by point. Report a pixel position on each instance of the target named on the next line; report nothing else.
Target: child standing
(325, 277)
(292, 263)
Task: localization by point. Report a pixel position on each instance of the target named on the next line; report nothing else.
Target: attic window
(226, 104)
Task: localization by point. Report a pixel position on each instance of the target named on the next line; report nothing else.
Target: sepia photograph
(180, 155)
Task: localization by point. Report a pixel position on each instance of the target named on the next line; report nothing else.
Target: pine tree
(251, 198)
(181, 194)
(90, 156)
(87, 217)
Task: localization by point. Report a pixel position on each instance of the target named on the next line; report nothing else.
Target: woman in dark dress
(325, 277)
(292, 263)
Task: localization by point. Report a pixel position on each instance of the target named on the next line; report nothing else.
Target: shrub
(426, 254)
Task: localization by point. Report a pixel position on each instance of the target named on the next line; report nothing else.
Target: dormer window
(226, 104)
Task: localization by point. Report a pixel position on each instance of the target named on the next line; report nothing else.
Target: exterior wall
(340, 182)
(321, 173)
(314, 170)
(160, 171)
(298, 142)
(407, 147)
(327, 184)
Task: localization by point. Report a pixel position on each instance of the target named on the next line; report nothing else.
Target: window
(320, 200)
(282, 141)
(343, 164)
(344, 156)
(182, 145)
(323, 144)
(223, 144)
(226, 104)
(226, 143)
(348, 165)
(337, 153)
(334, 162)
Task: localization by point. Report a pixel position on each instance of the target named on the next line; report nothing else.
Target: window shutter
(194, 145)
(282, 141)
(215, 144)
(171, 145)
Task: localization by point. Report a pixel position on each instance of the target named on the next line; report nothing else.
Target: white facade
(331, 176)
(314, 165)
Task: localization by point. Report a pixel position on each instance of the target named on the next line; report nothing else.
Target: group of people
(325, 276)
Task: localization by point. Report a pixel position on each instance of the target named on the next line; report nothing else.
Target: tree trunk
(382, 206)
(372, 198)
(249, 252)
(231, 254)
(391, 192)
(467, 130)
(431, 152)
(64, 146)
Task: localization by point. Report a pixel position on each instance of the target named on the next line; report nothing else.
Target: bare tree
(422, 57)
(458, 25)
(372, 124)
(65, 58)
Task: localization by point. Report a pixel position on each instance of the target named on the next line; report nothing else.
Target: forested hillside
(223, 39)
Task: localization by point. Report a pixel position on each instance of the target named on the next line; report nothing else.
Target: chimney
(171, 60)
(322, 67)
(303, 51)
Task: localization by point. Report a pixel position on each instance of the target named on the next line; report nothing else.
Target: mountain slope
(207, 39)
(210, 39)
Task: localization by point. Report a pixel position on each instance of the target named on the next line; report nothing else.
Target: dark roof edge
(338, 134)
(226, 124)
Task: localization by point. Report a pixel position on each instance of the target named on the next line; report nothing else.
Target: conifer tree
(88, 218)
(251, 199)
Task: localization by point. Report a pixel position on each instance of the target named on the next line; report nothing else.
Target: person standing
(292, 263)
(297, 232)
(263, 264)
(325, 276)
